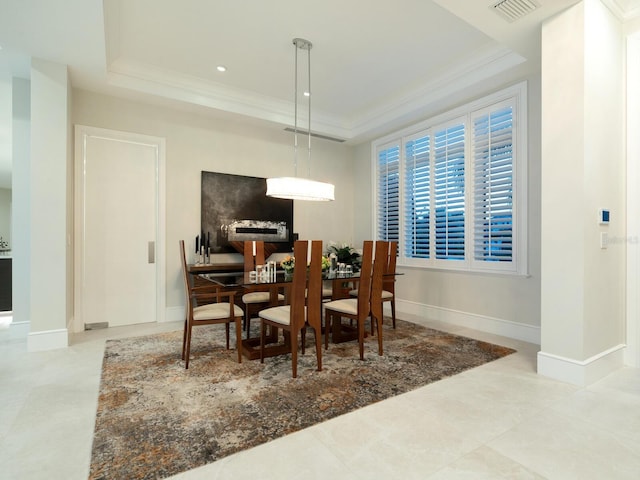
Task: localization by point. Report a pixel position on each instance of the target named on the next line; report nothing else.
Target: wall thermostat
(603, 216)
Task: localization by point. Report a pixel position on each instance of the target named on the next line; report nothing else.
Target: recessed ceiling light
(306, 94)
(221, 68)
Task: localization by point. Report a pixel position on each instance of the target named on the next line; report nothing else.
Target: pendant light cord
(295, 114)
(309, 91)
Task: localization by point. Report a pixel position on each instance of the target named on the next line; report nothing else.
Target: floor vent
(96, 326)
(512, 10)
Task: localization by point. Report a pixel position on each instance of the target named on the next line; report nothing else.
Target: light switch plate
(604, 240)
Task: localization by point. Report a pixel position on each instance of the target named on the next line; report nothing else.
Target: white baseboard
(19, 329)
(483, 323)
(47, 340)
(581, 372)
(174, 314)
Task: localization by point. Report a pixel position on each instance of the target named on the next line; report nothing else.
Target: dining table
(279, 282)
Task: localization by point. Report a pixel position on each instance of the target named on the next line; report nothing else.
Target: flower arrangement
(346, 254)
(288, 263)
(326, 264)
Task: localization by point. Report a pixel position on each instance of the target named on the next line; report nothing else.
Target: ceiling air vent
(512, 10)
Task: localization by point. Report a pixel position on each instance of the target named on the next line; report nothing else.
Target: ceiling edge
(481, 66)
(184, 88)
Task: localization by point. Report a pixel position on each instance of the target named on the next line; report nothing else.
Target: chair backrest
(379, 268)
(388, 282)
(185, 275)
(364, 283)
(314, 288)
(298, 284)
(251, 260)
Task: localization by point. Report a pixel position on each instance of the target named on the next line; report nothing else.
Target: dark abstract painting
(236, 208)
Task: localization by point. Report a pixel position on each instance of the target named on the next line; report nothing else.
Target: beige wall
(196, 142)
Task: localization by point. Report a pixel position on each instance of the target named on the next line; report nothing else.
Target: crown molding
(173, 85)
(177, 86)
(480, 66)
(625, 10)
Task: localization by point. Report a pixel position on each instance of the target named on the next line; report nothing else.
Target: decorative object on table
(326, 264)
(346, 254)
(297, 188)
(144, 422)
(288, 263)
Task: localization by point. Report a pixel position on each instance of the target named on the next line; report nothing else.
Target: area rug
(156, 419)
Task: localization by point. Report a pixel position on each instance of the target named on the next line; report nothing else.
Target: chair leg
(327, 329)
(187, 346)
(262, 339)
(303, 340)
(379, 326)
(247, 319)
(393, 311)
(184, 337)
(294, 355)
(317, 334)
(239, 338)
(361, 337)
(226, 328)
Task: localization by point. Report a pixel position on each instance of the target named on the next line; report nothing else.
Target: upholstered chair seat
(214, 311)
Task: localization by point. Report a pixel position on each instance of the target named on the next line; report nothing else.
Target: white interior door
(120, 230)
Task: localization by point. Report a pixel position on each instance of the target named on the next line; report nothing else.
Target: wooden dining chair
(377, 278)
(389, 280)
(301, 312)
(257, 297)
(358, 308)
(208, 305)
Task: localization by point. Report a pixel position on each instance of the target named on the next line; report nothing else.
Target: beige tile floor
(500, 420)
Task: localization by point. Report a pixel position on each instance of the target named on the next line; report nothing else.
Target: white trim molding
(581, 372)
(47, 340)
(483, 323)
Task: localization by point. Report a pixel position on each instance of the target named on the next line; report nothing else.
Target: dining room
(568, 307)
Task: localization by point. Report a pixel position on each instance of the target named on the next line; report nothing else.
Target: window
(451, 190)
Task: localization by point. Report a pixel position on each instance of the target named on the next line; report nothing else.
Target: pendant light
(295, 188)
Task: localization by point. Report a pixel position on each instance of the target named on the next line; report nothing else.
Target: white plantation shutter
(493, 185)
(449, 192)
(417, 195)
(388, 193)
(453, 189)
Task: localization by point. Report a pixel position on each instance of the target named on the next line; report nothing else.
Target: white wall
(5, 215)
(583, 170)
(632, 352)
(506, 305)
(196, 142)
(21, 201)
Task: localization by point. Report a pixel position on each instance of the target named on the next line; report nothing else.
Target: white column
(583, 170)
(48, 221)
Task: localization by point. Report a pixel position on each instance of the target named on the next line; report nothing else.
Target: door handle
(152, 252)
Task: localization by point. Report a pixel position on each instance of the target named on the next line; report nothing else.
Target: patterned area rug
(156, 419)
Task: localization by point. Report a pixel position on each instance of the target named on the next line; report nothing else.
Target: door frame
(82, 134)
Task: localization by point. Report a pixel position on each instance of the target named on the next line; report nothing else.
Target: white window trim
(519, 266)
